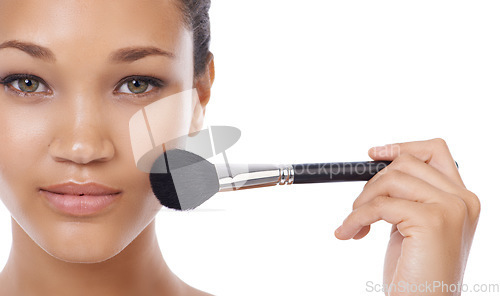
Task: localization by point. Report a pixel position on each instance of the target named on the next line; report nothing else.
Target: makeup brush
(182, 180)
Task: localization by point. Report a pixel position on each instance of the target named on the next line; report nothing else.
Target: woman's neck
(137, 270)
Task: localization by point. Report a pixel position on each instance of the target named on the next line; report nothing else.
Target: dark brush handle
(336, 171)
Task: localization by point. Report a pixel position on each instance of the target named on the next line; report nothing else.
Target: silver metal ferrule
(244, 176)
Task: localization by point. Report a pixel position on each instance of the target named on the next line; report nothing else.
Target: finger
(362, 233)
(415, 167)
(393, 229)
(434, 152)
(392, 210)
(398, 184)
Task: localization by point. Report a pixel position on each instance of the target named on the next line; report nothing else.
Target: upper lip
(88, 188)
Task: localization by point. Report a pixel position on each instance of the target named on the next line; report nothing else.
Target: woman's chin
(83, 246)
(83, 253)
(84, 259)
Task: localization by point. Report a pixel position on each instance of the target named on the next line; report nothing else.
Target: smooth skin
(74, 127)
(434, 217)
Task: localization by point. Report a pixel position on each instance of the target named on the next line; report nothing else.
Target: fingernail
(339, 230)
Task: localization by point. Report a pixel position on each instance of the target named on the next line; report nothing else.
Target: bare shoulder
(200, 293)
(188, 290)
(195, 292)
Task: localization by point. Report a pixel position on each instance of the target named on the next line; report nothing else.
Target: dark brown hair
(196, 18)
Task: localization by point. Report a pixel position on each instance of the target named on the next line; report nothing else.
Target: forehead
(91, 27)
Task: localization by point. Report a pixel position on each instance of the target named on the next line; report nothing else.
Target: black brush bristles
(189, 180)
(164, 190)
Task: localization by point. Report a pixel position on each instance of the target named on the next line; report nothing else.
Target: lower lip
(76, 205)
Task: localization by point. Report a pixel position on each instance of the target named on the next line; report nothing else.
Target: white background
(322, 81)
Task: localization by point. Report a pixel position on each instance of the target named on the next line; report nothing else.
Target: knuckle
(402, 162)
(440, 143)
(455, 211)
(452, 214)
(356, 204)
(379, 201)
(406, 157)
(474, 205)
(458, 208)
(367, 184)
(391, 177)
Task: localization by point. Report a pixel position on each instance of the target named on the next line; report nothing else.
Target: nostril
(83, 149)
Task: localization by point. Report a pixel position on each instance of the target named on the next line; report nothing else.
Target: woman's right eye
(26, 83)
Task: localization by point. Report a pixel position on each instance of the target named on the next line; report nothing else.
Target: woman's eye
(138, 85)
(30, 84)
(26, 84)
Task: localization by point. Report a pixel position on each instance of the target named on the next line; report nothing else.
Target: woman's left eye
(138, 85)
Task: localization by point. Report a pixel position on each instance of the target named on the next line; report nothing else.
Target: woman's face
(92, 66)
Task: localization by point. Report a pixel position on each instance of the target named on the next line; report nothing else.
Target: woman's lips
(80, 199)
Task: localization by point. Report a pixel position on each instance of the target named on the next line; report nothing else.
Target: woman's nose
(82, 137)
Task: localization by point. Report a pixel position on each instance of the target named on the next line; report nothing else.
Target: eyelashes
(26, 83)
(136, 85)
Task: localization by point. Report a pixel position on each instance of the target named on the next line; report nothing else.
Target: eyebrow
(130, 54)
(32, 49)
(123, 55)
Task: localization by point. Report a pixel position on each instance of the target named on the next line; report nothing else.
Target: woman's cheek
(23, 131)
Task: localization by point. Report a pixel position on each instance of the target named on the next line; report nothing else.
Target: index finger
(434, 152)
